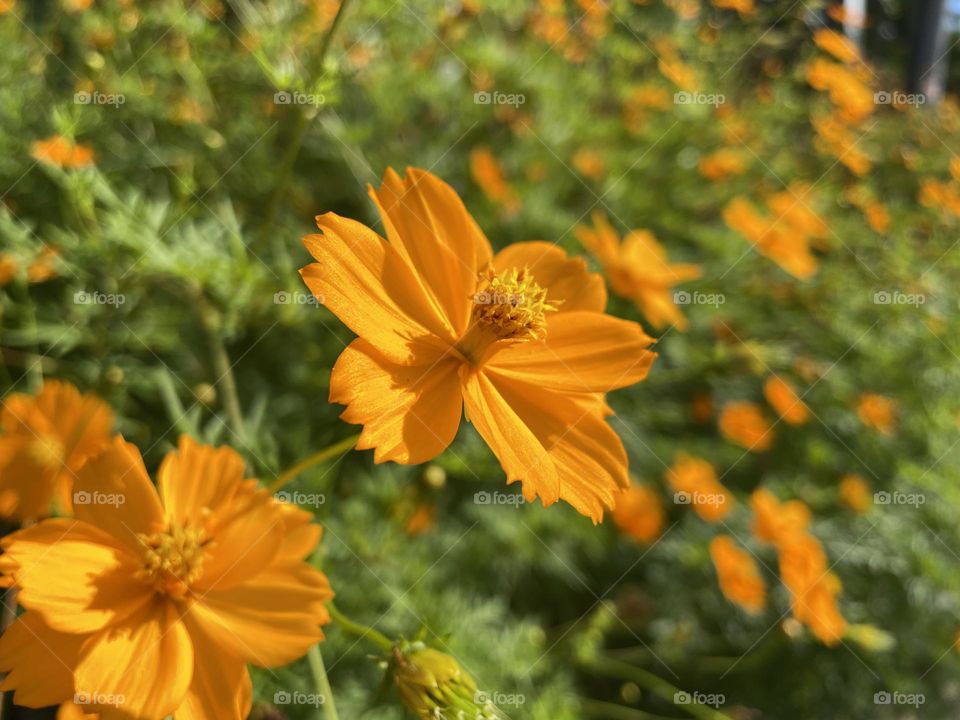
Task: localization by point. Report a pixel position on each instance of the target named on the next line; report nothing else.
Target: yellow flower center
(48, 452)
(172, 560)
(512, 305)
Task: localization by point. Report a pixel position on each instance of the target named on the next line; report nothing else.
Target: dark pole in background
(927, 63)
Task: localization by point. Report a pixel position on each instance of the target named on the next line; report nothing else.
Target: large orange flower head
(152, 600)
(46, 439)
(518, 340)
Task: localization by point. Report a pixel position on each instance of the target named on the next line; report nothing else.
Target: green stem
(612, 711)
(321, 682)
(355, 628)
(308, 462)
(210, 319)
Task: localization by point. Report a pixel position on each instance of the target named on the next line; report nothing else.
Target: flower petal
(367, 284)
(220, 688)
(198, 479)
(410, 412)
(583, 352)
(565, 279)
(38, 661)
(83, 422)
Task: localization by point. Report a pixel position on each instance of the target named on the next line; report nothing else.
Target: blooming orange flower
(738, 574)
(813, 588)
(588, 162)
(46, 440)
(638, 270)
(877, 217)
(695, 483)
(855, 492)
(8, 269)
(840, 46)
(58, 150)
(842, 144)
(152, 603)
(519, 340)
(745, 424)
(722, 164)
(878, 412)
(791, 206)
(852, 99)
(487, 172)
(776, 522)
(639, 513)
(745, 8)
(45, 266)
(782, 398)
(783, 244)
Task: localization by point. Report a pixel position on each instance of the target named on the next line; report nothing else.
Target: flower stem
(321, 682)
(308, 462)
(210, 319)
(355, 628)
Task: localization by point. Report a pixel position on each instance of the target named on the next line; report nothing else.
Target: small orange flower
(782, 398)
(841, 47)
(45, 266)
(782, 243)
(877, 217)
(745, 8)
(777, 522)
(813, 588)
(153, 600)
(589, 163)
(738, 575)
(638, 270)
(878, 412)
(745, 424)
(422, 519)
(722, 164)
(8, 269)
(639, 513)
(842, 144)
(46, 440)
(791, 206)
(695, 483)
(488, 173)
(701, 408)
(855, 492)
(58, 150)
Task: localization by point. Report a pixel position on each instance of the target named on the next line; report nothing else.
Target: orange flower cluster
(855, 492)
(738, 575)
(638, 269)
(837, 139)
(695, 483)
(745, 424)
(62, 152)
(722, 164)
(639, 513)
(784, 399)
(574, 33)
(488, 173)
(673, 67)
(783, 240)
(803, 564)
(745, 8)
(878, 412)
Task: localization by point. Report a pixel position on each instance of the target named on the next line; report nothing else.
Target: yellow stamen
(172, 560)
(512, 305)
(47, 451)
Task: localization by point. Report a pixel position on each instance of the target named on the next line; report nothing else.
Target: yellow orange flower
(8, 269)
(738, 574)
(813, 588)
(855, 492)
(638, 270)
(745, 424)
(877, 217)
(722, 164)
(46, 440)
(153, 600)
(840, 46)
(588, 162)
(58, 150)
(852, 99)
(784, 399)
(784, 244)
(777, 522)
(695, 483)
(518, 340)
(45, 266)
(745, 8)
(422, 519)
(842, 144)
(791, 207)
(878, 412)
(639, 513)
(487, 172)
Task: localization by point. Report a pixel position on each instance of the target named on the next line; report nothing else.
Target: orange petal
(565, 279)
(84, 423)
(556, 444)
(270, 620)
(221, 684)
(366, 283)
(410, 413)
(427, 224)
(139, 668)
(38, 661)
(26, 486)
(583, 352)
(76, 576)
(197, 479)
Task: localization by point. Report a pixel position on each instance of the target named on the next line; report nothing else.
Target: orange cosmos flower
(487, 172)
(46, 440)
(153, 600)
(776, 522)
(782, 398)
(518, 340)
(842, 144)
(695, 483)
(722, 164)
(639, 513)
(8, 269)
(791, 207)
(782, 243)
(745, 424)
(738, 575)
(840, 46)
(45, 266)
(813, 588)
(878, 412)
(589, 163)
(877, 217)
(638, 270)
(855, 492)
(58, 150)
(745, 8)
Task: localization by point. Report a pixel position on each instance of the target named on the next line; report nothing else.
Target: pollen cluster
(48, 452)
(512, 304)
(173, 559)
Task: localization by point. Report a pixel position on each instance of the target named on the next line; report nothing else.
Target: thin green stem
(362, 631)
(210, 319)
(321, 682)
(308, 462)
